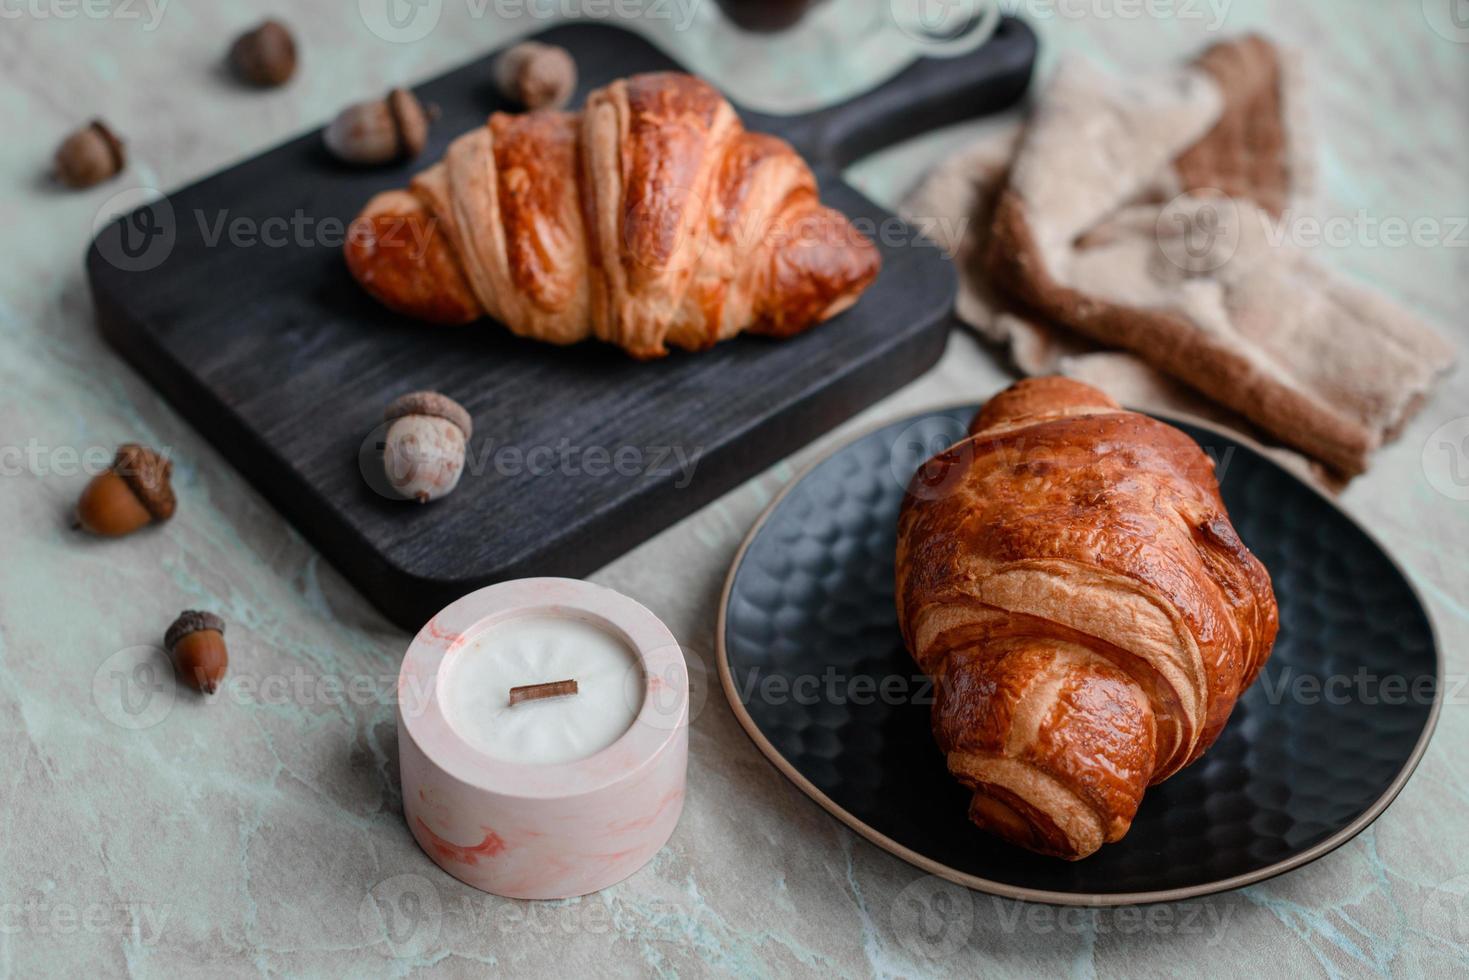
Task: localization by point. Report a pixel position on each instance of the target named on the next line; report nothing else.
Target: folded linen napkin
(1146, 214)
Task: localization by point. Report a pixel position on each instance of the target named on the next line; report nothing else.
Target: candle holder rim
(462, 621)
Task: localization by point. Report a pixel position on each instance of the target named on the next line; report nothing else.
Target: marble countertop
(263, 834)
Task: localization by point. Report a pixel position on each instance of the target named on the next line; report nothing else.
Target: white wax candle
(540, 650)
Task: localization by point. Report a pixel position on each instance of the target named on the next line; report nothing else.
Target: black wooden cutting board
(270, 349)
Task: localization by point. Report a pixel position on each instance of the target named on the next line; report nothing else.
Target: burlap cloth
(1136, 233)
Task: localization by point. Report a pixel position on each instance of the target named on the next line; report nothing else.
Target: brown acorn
(132, 493)
(89, 156)
(538, 76)
(196, 643)
(264, 57)
(380, 130)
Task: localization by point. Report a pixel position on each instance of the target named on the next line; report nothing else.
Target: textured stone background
(260, 833)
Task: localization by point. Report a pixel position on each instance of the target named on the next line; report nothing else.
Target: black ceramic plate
(813, 665)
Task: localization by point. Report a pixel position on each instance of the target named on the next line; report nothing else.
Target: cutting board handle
(927, 95)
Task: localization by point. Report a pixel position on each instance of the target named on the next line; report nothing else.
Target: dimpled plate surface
(814, 666)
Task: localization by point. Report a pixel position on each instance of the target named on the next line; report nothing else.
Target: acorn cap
(191, 621)
(430, 403)
(412, 121)
(114, 144)
(146, 473)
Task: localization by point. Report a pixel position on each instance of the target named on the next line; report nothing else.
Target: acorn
(89, 156)
(195, 641)
(423, 451)
(133, 492)
(379, 130)
(264, 57)
(538, 76)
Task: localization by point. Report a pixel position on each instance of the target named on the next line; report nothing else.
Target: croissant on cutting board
(650, 218)
(1069, 579)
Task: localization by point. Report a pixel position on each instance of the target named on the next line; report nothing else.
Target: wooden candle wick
(540, 692)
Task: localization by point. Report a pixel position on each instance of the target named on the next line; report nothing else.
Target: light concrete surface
(261, 832)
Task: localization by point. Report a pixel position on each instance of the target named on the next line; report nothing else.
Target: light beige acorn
(133, 492)
(380, 130)
(538, 76)
(196, 643)
(423, 452)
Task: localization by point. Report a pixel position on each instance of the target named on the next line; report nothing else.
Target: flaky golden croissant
(1070, 580)
(650, 218)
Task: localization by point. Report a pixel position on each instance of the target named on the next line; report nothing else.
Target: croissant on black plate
(1089, 616)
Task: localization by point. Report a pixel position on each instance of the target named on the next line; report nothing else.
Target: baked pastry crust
(1069, 578)
(651, 218)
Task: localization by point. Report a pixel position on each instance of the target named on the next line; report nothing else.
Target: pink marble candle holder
(542, 831)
